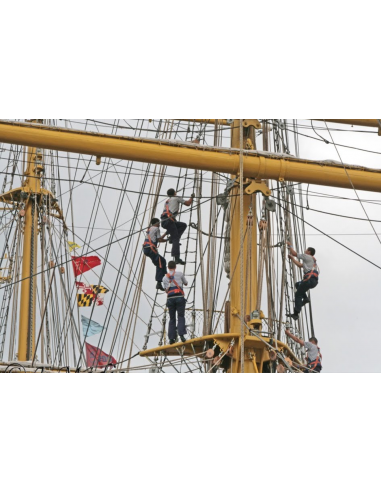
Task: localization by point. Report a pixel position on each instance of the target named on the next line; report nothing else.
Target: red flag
(96, 358)
(82, 264)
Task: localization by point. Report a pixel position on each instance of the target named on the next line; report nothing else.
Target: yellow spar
(370, 123)
(257, 165)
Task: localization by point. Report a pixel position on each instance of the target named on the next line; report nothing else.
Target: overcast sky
(346, 305)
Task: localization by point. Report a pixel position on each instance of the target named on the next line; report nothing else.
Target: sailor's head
(310, 251)
(171, 192)
(171, 265)
(155, 222)
(314, 340)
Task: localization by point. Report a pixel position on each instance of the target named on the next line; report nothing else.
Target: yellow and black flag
(88, 294)
(98, 289)
(99, 294)
(85, 300)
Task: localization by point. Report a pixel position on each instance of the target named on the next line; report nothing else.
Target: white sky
(346, 307)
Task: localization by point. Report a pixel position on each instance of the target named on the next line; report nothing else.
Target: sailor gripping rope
(314, 357)
(171, 225)
(150, 249)
(310, 279)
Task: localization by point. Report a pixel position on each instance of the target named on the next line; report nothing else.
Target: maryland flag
(85, 300)
(99, 293)
(73, 246)
(83, 264)
(84, 288)
(96, 358)
(88, 294)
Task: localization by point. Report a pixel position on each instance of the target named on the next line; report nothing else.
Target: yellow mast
(27, 325)
(250, 267)
(28, 198)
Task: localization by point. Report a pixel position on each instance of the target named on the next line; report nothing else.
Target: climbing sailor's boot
(294, 316)
(159, 286)
(179, 261)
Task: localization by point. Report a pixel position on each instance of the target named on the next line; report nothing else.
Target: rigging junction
(244, 342)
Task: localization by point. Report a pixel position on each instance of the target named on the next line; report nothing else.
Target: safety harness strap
(149, 244)
(314, 273)
(167, 213)
(313, 364)
(174, 290)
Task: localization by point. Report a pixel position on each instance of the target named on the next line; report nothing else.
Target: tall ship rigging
(77, 198)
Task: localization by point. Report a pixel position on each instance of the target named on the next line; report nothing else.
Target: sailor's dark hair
(312, 251)
(314, 340)
(155, 221)
(171, 192)
(172, 265)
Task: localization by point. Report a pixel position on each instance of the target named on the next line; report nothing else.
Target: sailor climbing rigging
(314, 356)
(173, 283)
(153, 237)
(310, 279)
(174, 228)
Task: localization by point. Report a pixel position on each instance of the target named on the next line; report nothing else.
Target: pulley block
(270, 205)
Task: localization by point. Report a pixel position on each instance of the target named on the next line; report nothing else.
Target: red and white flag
(84, 288)
(96, 358)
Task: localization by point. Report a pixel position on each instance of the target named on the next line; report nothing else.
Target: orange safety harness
(167, 214)
(148, 243)
(313, 364)
(314, 273)
(174, 290)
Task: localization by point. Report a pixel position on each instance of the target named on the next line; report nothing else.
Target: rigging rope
(351, 182)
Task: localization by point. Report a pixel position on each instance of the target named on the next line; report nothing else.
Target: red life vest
(314, 273)
(172, 291)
